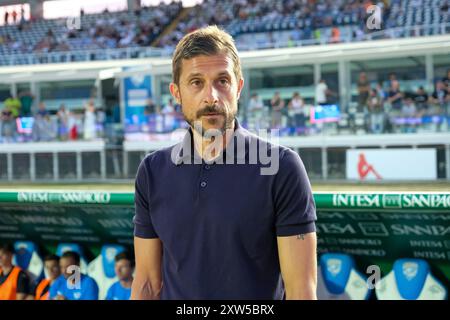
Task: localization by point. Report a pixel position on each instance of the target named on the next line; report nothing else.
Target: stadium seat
(26, 257)
(410, 279)
(64, 247)
(102, 268)
(337, 279)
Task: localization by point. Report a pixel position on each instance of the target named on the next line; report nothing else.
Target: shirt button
(207, 167)
(203, 184)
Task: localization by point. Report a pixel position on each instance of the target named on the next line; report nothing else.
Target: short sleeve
(295, 208)
(143, 227)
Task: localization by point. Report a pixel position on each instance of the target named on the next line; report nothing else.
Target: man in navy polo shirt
(223, 214)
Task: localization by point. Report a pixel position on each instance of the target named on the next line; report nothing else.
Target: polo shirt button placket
(203, 184)
(207, 167)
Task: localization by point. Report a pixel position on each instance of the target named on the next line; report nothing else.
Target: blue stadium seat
(410, 279)
(102, 268)
(26, 257)
(64, 247)
(337, 279)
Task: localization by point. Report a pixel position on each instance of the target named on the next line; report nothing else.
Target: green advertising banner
(376, 229)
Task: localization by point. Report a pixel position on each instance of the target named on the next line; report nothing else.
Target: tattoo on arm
(301, 236)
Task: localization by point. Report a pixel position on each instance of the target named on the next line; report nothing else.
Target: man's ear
(175, 92)
(240, 87)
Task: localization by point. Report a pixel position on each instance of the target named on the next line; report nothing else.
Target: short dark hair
(7, 247)
(125, 255)
(208, 41)
(71, 254)
(51, 257)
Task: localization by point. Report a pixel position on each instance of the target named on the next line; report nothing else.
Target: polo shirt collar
(185, 148)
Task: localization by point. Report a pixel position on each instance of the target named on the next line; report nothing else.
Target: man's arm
(23, 286)
(298, 264)
(147, 282)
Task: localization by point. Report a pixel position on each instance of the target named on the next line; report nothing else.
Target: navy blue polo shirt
(218, 222)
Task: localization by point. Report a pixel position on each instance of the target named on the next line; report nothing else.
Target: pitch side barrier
(374, 228)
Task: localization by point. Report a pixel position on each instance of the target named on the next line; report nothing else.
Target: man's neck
(210, 149)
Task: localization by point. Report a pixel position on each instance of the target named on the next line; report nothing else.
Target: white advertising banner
(391, 164)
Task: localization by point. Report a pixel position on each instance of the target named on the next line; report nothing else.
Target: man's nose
(211, 95)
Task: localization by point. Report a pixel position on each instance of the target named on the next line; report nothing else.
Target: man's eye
(195, 83)
(224, 81)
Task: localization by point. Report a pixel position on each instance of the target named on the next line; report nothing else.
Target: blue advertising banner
(137, 90)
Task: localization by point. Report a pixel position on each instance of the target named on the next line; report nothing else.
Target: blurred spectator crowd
(254, 24)
(380, 108)
(107, 30)
(19, 124)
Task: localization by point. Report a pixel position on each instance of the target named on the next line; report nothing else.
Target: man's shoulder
(58, 281)
(115, 286)
(88, 279)
(287, 157)
(160, 156)
(268, 144)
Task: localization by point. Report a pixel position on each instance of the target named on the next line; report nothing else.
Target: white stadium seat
(102, 268)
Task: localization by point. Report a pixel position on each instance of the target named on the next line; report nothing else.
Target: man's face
(123, 269)
(64, 264)
(5, 258)
(208, 92)
(395, 85)
(52, 268)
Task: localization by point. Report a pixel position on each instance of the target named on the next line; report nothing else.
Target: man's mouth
(212, 114)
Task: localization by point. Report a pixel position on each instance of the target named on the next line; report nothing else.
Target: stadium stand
(97, 32)
(254, 24)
